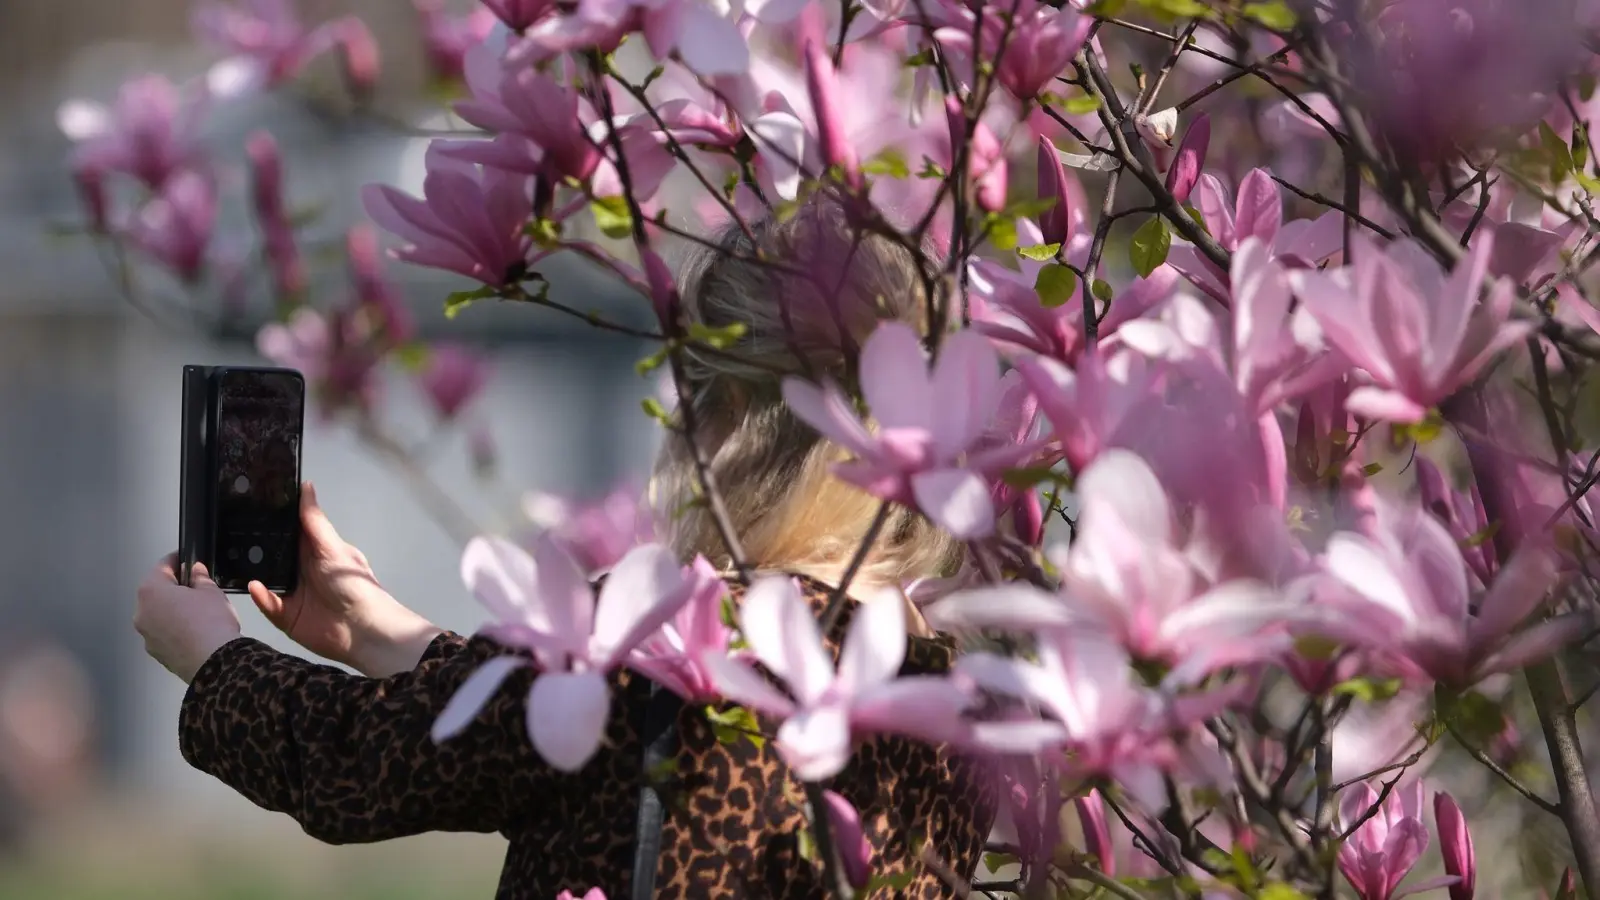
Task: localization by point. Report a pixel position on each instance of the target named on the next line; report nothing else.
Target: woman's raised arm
(351, 758)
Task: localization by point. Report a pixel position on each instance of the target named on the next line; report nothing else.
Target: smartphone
(240, 490)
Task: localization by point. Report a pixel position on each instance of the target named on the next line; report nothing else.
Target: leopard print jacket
(351, 759)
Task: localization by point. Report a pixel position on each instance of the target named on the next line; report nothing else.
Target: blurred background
(95, 801)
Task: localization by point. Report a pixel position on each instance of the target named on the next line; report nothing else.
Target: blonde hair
(808, 290)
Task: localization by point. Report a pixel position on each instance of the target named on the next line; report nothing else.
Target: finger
(317, 526)
(165, 572)
(270, 604)
(200, 577)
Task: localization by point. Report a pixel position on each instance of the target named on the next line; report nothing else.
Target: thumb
(200, 576)
(270, 604)
(317, 526)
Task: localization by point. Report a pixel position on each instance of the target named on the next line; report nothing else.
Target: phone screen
(260, 417)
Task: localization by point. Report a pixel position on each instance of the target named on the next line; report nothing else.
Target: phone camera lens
(233, 553)
(241, 485)
(256, 555)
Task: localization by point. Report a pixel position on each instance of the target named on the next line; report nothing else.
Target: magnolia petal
(778, 625)
(1015, 606)
(476, 691)
(1533, 644)
(895, 379)
(643, 591)
(567, 713)
(876, 644)
(502, 576)
(957, 500)
(710, 44)
(1385, 405)
(828, 411)
(780, 138)
(816, 742)
(743, 685)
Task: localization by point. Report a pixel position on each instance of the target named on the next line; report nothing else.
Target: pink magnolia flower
(544, 604)
(1455, 845)
(1006, 306)
(1418, 333)
(986, 157)
(597, 533)
(174, 228)
(700, 34)
(545, 128)
(1128, 575)
(674, 656)
(1462, 515)
(277, 234)
(1272, 353)
(923, 454)
(822, 86)
(266, 40)
(150, 133)
(452, 377)
(1190, 161)
(1039, 41)
(1057, 224)
(359, 60)
(446, 38)
(591, 894)
(1411, 599)
(339, 367)
(1089, 405)
(519, 15)
(830, 707)
(375, 298)
(1382, 850)
(471, 220)
(1256, 212)
(1108, 723)
(855, 851)
(1091, 811)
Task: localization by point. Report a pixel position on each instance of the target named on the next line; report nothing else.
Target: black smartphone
(240, 490)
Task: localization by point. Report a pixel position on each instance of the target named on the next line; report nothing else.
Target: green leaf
(1107, 9)
(1002, 231)
(1371, 469)
(923, 57)
(931, 170)
(1279, 891)
(896, 882)
(1275, 15)
(1368, 690)
(1476, 718)
(456, 302)
(1557, 155)
(1054, 285)
(412, 357)
(721, 337)
(1586, 85)
(306, 215)
(890, 162)
(612, 217)
(807, 845)
(1425, 431)
(1481, 536)
(1080, 105)
(1586, 181)
(545, 232)
(650, 79)
(1101, 290)
(652, 362)
(1197, 217)
(654, 409)
(993, 861)
(1040, 252)
(735, 724)
(1150, 245)
(1027, 477)
(1029, 207)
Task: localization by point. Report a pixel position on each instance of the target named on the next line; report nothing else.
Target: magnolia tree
(1277, 311)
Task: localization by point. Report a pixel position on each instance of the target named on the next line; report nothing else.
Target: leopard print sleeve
(352, 758)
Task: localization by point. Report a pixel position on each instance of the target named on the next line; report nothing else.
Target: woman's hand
(183, 626)
(338, 611)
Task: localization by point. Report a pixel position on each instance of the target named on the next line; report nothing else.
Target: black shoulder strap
(660, 737)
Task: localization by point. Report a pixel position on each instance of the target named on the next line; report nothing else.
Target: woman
(350, 756)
